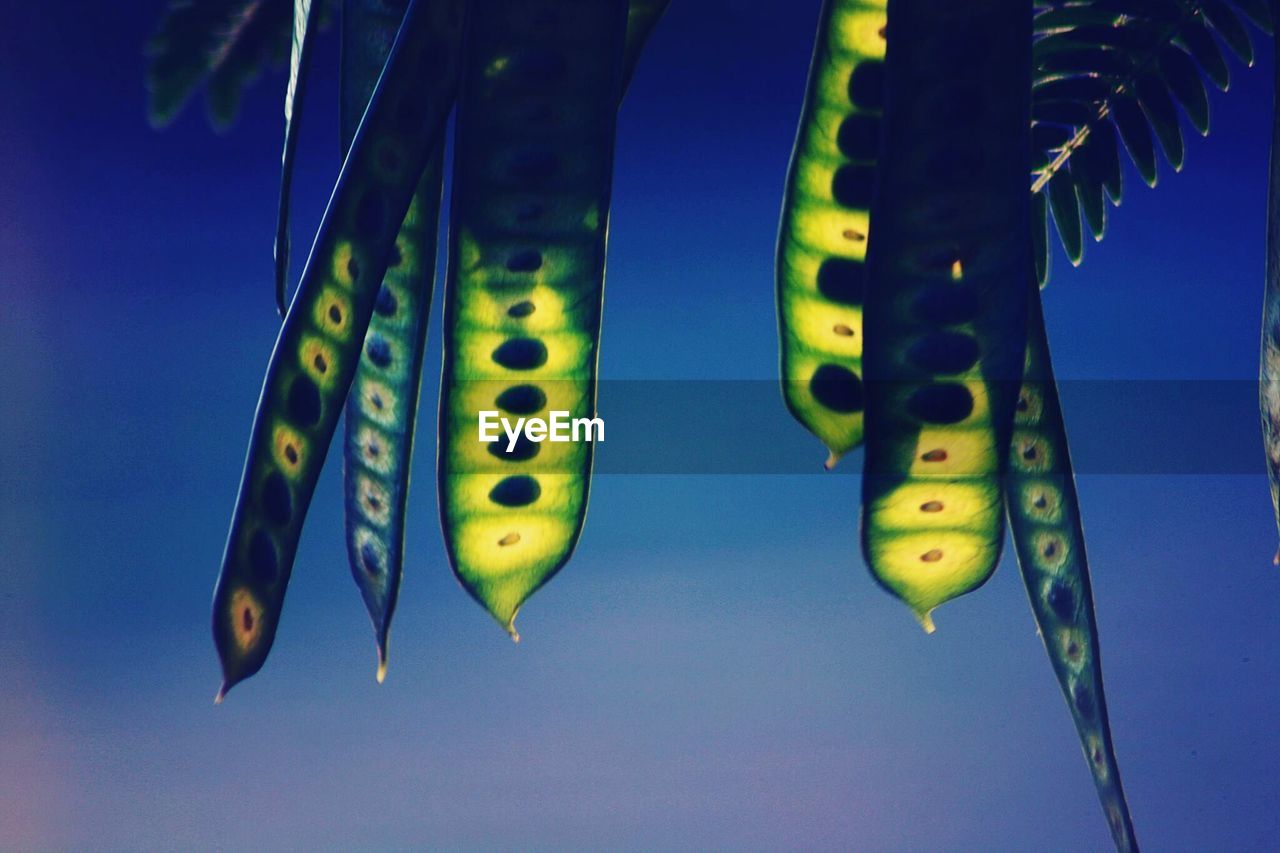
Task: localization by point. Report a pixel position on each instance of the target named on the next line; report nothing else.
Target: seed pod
(945, 313)
(382, 407)
(1044, 517)
(642, 17)
(1269, 367)
(305, 24)
(531, 185)
(822, 241)
(315, 355)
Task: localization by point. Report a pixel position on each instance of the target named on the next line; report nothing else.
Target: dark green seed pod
(382, 408)
(945, 312)
(315, 355)
(1044, 517)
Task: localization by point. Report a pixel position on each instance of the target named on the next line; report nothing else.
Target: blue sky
(715, 668)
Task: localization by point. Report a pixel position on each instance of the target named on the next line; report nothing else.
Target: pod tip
(222, 693)
(926, 621)
(382, 667)
(511, 629)
(1275, 561)
(832, 459)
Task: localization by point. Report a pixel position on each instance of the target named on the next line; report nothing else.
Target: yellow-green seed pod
(532, 175)
(822, 241)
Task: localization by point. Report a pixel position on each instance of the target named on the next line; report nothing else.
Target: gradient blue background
(715, 668)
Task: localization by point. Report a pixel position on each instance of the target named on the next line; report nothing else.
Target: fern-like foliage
(225, 43)
(1109, 74)
(1114, 73)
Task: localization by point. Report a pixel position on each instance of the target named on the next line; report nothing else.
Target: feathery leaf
(1198, 41)
(225, 42)
(1073, 113)
(1101, 64)
(222, 44)
(1186, 83)
(1040, 236)
(1066, 214)
(1228, 25)
(1088, 177)
(1136, 135)
(1157, 103)
(1102, 138)
(1259, 13)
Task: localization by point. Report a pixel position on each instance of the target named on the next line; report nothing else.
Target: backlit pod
(315, 355)
(822, 241)
(536, 115)
(945, 308)
(382, 408)
(301, 47)
(1044, 517)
